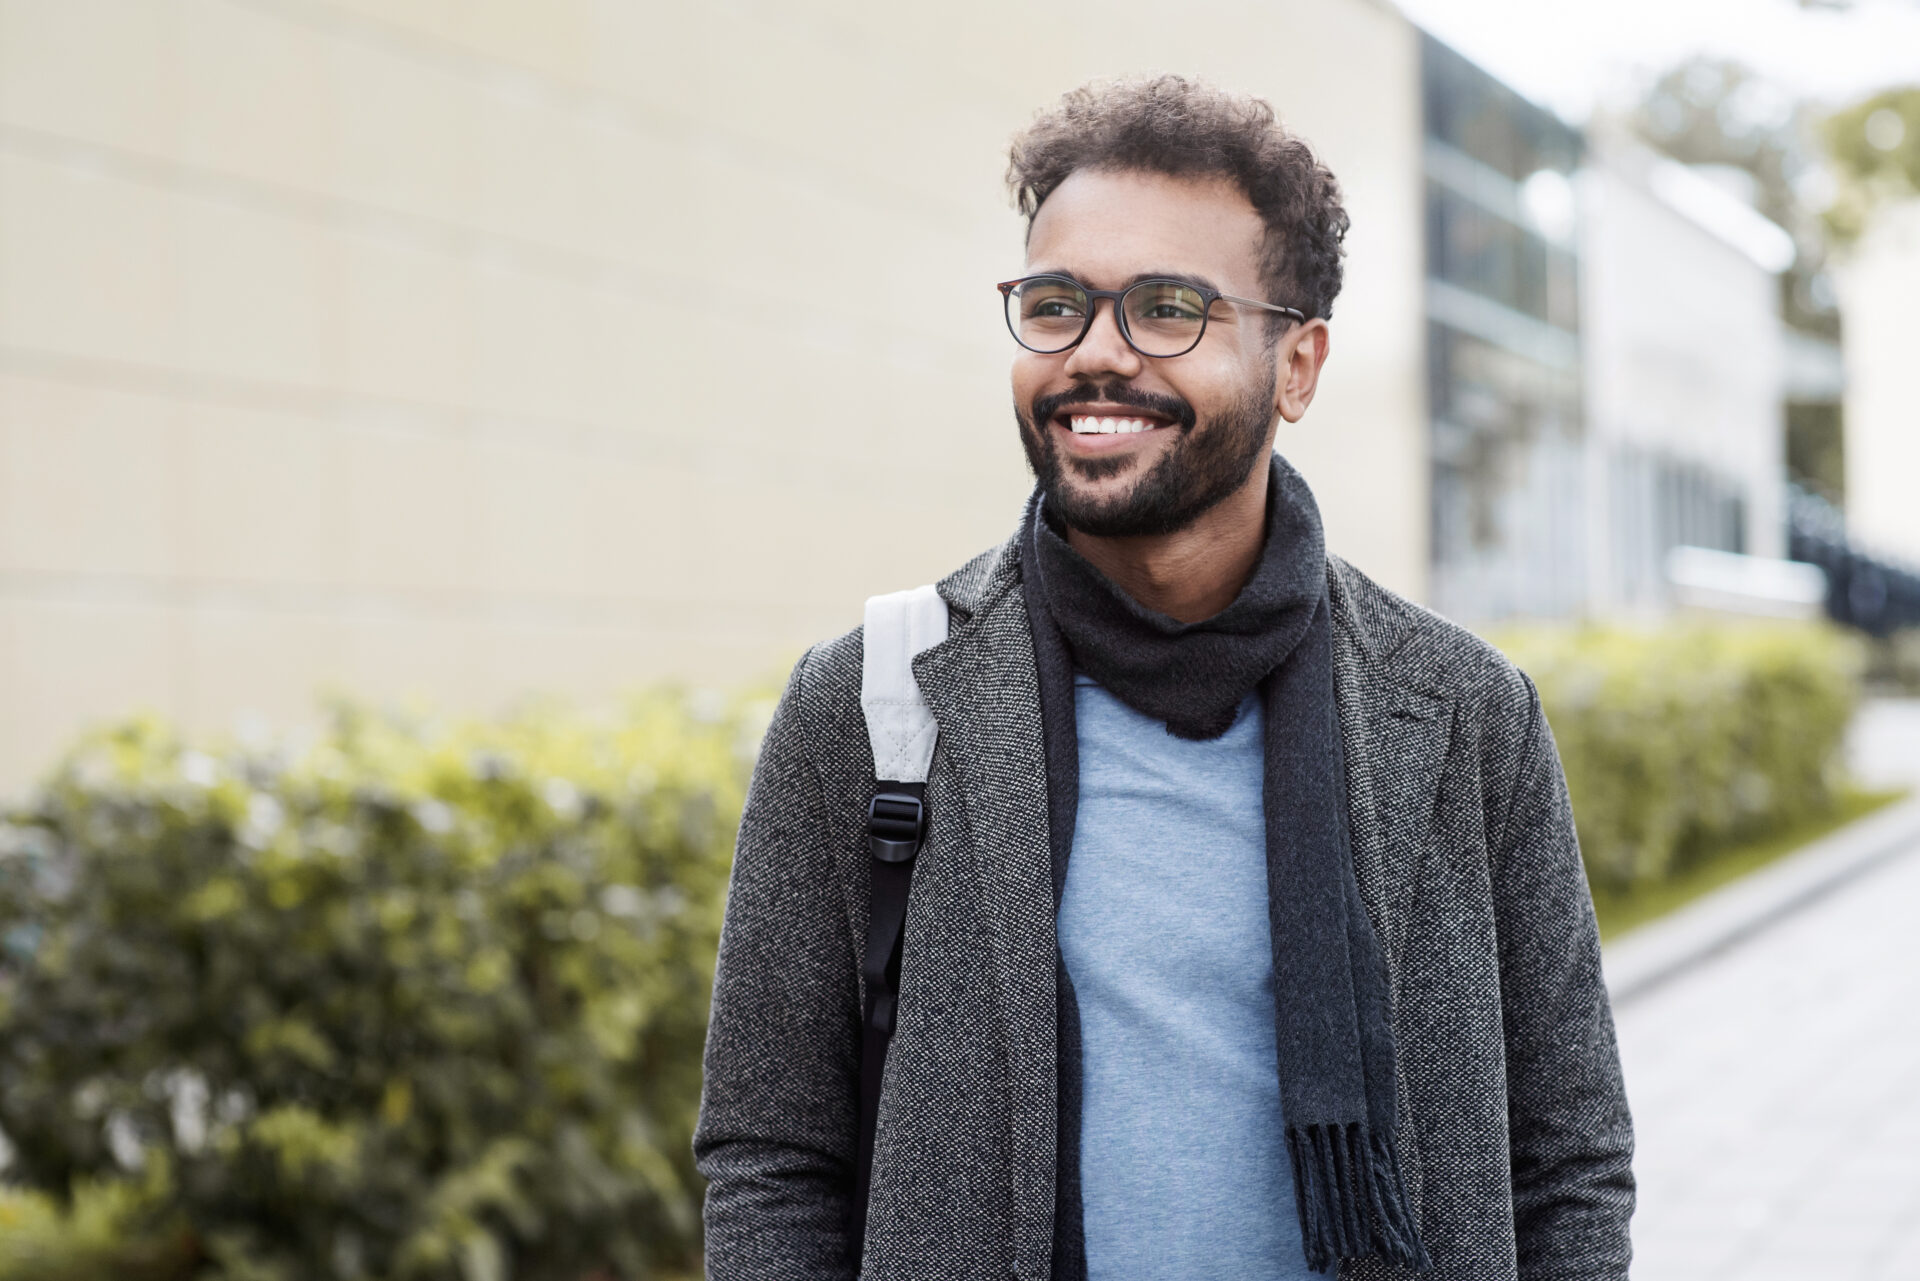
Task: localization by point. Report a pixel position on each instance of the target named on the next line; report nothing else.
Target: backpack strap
(902, 731)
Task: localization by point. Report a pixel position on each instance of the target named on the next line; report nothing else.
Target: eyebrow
(1184, 277)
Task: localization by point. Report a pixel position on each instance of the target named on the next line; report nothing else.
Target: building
(480, 351)
(1606, 360)
(1879, 285)
(1686, 372)
(475, 350)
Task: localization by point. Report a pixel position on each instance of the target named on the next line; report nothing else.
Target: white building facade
(1880, 291)
(1684, 371)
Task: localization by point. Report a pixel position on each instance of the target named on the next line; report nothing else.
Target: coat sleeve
(1570, 1134)
(779, 1104)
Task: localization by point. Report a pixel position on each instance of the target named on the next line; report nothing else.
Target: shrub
(413, 1000)
(1680, 739)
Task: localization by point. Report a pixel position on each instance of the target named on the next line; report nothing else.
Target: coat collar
(983, 580)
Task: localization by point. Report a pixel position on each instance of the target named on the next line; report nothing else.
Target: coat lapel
(984, 692)
(1396, 739)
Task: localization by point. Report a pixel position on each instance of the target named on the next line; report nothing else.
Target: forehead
(1107, 226)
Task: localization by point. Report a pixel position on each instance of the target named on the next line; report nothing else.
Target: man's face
(1210, 413)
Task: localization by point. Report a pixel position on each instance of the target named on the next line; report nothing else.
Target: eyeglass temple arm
(1294, 312)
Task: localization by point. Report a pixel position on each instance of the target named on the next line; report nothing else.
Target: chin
(1105, 511)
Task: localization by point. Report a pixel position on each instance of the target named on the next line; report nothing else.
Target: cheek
(1033, 376)
(1214, 386)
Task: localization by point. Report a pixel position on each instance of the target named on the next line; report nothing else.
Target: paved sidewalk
(1883, 745)
(1776, 1088)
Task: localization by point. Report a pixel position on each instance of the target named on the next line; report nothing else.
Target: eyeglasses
(1157, 317)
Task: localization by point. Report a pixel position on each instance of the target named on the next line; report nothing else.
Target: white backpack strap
(901, 726)
(899, 723)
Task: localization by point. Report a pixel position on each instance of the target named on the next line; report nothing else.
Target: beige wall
(468, 349)
(1880, 288)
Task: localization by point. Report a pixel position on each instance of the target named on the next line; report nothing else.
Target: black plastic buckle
(896, 824)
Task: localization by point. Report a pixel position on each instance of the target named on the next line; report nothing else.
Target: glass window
(1490, 122)
(1509, 464)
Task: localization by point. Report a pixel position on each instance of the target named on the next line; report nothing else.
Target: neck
(1195, 572)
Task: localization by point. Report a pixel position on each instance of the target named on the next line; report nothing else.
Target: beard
(1208, 462)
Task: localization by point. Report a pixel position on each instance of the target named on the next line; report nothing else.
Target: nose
(1105, 349)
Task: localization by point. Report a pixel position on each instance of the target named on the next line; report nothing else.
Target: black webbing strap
(896, 823)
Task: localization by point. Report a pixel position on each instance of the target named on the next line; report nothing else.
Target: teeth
(1085, 425)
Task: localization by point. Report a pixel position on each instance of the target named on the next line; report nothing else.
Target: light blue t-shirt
(1163, 928)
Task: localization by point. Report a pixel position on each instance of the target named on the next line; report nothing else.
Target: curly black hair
(1179, 127)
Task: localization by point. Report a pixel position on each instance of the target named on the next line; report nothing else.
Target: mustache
(1172, 408)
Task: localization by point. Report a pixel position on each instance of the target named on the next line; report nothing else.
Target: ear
(1303, 350)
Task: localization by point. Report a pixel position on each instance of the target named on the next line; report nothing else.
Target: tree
(1875, 145)
(1715, 112)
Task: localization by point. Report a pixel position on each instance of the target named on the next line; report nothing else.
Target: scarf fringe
(1353, 1202)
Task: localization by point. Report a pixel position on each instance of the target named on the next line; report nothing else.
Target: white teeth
(1086, 425)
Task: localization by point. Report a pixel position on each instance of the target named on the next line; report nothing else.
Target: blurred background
(466, 349)
(429, 428)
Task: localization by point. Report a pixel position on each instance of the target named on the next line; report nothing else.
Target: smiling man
(1244, 930)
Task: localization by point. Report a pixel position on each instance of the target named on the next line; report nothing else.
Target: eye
(1167, 303)
(1052, 300)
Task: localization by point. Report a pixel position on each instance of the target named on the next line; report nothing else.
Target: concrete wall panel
(474, 350)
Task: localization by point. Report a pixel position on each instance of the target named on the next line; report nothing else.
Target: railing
(1876, 594)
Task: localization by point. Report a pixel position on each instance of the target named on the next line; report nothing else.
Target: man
(1249, 936)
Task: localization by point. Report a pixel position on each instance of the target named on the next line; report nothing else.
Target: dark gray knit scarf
(1330, 990)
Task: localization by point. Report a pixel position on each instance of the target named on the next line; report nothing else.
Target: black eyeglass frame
(1093, 296)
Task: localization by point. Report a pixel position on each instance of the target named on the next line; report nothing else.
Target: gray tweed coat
(1513, 1124)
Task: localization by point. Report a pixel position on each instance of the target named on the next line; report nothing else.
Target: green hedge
(412, 1000)
(1684, 738)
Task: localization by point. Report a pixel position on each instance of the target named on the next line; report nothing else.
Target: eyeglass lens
(1163, 317)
